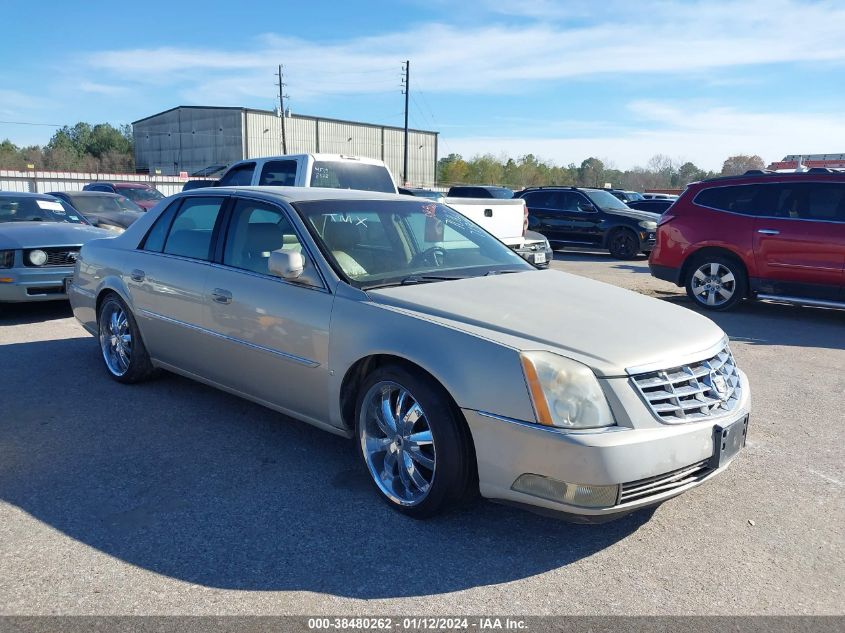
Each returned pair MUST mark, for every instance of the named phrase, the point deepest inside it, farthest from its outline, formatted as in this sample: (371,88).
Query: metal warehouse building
(193,138)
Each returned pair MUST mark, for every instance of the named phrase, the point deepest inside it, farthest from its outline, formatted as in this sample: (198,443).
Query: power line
(30,123)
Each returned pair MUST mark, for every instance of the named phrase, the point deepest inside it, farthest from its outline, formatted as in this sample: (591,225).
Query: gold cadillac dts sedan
(456,366)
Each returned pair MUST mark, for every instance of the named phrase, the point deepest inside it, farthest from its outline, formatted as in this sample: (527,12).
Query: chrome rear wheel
(115,338)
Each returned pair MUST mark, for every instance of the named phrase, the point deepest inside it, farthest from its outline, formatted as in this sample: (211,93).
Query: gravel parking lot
(174,498)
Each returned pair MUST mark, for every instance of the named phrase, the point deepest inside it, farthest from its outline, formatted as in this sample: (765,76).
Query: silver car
(40,238)
(455,366)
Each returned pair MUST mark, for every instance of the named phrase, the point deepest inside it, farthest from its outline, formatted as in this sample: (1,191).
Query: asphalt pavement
(171,497)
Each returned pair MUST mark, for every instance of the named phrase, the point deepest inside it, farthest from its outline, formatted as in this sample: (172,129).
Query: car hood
(14,235)
(605,327)
(634,213)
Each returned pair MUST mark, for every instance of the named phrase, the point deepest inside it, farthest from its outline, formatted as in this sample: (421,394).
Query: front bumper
(647,240)
(538,254)
(615,456)
(34,284)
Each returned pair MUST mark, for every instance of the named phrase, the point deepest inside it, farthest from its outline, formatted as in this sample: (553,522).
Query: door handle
(221,296)
(768,231)
(137,275)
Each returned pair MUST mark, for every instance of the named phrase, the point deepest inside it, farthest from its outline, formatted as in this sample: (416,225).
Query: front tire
(412,441)
(623,244)
(124,354)
(716,282)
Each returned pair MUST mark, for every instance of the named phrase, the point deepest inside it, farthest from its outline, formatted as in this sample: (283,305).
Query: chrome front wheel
(115,338)
(397,443)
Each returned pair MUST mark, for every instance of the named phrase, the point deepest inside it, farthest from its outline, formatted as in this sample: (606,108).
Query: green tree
(10,156)
(452,170)
(486,169)
(591,173)
(741,163)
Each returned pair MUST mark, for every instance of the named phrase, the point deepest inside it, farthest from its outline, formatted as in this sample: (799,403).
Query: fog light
(38,257)
(583,495)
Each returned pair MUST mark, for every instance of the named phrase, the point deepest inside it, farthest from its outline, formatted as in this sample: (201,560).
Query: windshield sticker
(74,218)
(49,205)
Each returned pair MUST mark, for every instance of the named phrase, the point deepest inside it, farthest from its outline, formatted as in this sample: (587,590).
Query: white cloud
(705,135)
(101,88)
(650,37)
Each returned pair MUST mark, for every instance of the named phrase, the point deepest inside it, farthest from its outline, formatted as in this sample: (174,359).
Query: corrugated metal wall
(307,135)
(188,139)
(46,181)
(211,136)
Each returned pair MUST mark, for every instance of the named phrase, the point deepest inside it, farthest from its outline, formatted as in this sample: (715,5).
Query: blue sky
(564,80)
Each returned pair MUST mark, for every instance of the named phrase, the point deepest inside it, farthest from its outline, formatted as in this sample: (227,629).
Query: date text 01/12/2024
(417,623)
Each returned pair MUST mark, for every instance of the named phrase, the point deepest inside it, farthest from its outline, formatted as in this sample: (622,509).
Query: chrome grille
(650,486)
(55,257)
(692,392)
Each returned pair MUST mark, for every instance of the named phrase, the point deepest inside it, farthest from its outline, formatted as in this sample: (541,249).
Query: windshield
(376,243)
(26,209)
(349,174)
(100,204)
(140,193)
(605,199)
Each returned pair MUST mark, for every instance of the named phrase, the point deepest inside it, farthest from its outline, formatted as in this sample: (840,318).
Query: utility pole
(406,90)
(282,97)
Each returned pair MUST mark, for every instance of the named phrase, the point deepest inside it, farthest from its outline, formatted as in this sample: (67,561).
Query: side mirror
(286,264)
(586,206)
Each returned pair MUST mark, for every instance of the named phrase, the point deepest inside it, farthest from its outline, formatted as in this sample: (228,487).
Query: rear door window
(278,173)
(239,175)
(538,199)
(810,201)
(192,229)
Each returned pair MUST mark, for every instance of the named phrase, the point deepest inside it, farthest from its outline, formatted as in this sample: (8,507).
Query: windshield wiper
(501,272)
(424,279)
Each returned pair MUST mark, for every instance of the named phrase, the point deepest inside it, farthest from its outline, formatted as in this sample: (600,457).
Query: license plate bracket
(728,441)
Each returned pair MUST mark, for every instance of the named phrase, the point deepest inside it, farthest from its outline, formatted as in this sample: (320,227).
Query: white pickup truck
(334,171)
(506,219)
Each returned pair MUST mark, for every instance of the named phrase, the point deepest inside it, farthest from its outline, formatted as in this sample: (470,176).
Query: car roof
(131,185)
(302,194)
(23,194)
(87,194)
(317,157)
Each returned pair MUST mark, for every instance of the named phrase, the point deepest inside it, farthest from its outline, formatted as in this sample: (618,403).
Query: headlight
(38,257)
(649,225)
(565,393)
(7,259)
(112,228)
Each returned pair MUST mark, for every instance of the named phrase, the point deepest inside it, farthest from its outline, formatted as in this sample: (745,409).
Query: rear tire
(123,351)
(413,443)
(623,244)
(716,282)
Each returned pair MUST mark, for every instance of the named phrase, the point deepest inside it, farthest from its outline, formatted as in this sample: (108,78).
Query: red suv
(761,235)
